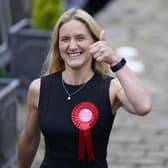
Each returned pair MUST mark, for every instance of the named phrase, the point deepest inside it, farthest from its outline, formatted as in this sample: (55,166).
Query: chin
(75,64)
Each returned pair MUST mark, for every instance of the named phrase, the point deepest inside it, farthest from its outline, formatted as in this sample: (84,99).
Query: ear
(102,36)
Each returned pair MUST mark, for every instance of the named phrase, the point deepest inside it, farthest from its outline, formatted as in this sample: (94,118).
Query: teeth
(74,54)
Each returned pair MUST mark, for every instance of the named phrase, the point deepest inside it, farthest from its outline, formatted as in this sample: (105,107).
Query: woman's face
(74,42)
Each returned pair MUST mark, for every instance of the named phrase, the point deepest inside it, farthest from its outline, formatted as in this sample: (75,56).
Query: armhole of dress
(40,94)
(108,86)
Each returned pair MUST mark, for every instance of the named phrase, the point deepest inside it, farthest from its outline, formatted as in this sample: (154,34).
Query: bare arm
(130,92)
(133,96)
(127,90)
(30,135)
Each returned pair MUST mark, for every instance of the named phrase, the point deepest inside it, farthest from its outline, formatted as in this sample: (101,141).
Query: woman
(75,103)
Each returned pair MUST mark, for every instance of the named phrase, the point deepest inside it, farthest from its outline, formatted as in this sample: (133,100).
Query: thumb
(102,36)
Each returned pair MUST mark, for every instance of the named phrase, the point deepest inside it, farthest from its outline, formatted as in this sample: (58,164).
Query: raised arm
(30,136)
(130,91)
(126,90)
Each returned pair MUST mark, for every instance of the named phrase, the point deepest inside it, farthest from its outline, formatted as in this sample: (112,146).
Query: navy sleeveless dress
(60,135)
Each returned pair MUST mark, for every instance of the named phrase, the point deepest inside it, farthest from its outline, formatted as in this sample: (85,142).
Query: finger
(97,45)
(102,36)
(97,54)
(94,48)
(99,59)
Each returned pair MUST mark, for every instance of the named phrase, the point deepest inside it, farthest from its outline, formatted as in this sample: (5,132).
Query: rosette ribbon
(84,117)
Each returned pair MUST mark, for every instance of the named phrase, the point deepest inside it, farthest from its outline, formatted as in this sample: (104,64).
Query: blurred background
(135,29)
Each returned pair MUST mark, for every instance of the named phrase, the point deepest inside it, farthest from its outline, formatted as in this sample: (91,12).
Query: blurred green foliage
(46,13)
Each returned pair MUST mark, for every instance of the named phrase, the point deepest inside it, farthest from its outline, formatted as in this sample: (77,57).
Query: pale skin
(77,49)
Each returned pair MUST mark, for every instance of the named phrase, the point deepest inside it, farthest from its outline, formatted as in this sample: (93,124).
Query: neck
(77,77)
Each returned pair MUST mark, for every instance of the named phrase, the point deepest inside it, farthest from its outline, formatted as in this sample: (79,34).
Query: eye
(64,39)
(81,37)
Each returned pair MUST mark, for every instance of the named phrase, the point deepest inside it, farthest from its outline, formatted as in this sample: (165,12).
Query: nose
(72,44)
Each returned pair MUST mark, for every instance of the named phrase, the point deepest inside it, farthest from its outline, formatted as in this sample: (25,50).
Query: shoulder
(47,79)
(35,85)
(52,75)
(115,84)
(108,80)
(34,91)
(104,78)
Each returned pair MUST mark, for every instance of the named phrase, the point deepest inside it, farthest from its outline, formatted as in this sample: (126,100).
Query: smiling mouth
(74,55)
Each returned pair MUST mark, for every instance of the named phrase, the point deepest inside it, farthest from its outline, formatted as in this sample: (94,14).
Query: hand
(102,52)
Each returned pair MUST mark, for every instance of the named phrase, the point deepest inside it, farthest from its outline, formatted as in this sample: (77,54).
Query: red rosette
(84,116)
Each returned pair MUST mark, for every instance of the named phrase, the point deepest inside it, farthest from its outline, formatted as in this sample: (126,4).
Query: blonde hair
(54,61)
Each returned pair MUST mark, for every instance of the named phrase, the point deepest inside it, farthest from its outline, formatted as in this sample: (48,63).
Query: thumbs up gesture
(102,36)
(102,52)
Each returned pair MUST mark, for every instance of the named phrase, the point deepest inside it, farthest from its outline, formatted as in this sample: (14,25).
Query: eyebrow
(76,35)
